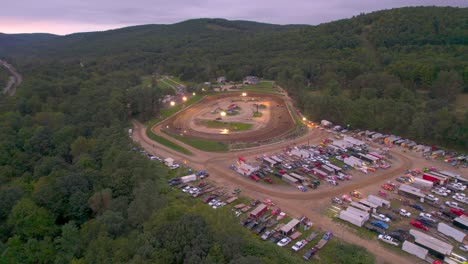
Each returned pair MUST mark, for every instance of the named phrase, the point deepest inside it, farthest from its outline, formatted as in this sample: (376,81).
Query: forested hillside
(72,190)
(398,71)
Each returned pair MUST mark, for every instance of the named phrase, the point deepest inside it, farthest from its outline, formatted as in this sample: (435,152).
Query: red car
(254,177)
(282,171)
(419,225)
(458,212)
(387,187)
(269,180)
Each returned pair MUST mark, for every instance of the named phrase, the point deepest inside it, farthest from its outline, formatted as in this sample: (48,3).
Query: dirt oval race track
(279,124)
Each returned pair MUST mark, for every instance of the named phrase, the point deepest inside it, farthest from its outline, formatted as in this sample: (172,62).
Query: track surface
(279,125)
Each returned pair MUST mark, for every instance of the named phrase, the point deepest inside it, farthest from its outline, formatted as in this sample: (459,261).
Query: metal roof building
(411,191)
(290,227)
(433,244)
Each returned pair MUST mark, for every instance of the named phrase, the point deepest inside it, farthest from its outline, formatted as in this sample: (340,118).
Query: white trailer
(188,178)
(275,158)
(414,249)
(354,219)
(353,162)
(378,201)
(360,206)
(358,212)
(422,184)
(451,232)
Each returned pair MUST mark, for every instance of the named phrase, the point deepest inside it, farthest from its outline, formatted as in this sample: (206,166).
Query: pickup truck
(381,217)
(388,240)
(379,224)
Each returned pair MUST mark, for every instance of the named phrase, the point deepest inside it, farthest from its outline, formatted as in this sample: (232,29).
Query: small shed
(290,227)
(259,210)
(246,169)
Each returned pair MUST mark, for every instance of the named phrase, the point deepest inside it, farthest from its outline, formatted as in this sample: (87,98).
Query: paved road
(10,89)
(295,202)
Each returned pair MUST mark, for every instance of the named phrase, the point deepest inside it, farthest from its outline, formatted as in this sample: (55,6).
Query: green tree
(30,221)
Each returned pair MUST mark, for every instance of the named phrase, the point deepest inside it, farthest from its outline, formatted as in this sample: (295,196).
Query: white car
(439,192)
(458,186)
(427,216)
(388,240)
(194,190)
(432,198)
(299,245)
(443,189)
(218,205)
(283,242)
(453,205)
(463,247)
(405,213)
(186,189)
(381,217)
(238,213)
(212,202)
(175,166)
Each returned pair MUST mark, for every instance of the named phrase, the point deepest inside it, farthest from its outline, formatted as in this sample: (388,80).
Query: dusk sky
(69,16)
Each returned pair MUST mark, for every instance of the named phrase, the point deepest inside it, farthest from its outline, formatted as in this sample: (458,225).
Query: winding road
(16,80)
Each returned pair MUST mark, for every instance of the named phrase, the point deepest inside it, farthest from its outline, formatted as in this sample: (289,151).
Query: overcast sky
(68,16)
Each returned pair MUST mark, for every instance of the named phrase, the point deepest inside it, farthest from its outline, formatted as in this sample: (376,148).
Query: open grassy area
(166,89)
(233,126)
(201,144)
(257,114)
(263,86)
(167,142)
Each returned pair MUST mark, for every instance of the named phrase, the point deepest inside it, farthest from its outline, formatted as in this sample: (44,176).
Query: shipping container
(414,249)
(451,232)
(188,178)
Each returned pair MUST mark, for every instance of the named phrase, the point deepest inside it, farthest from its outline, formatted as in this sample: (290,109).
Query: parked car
(400,234)
(419,225)
(310,253)
(283,242)
(453,205)
(417,207)
(299,245)
(405,213)
(247,221)
(381,217)
(425,221)
(379,224)
(428,217)
(431,198)
(276,238)
(267,234)
(388,239)
(463,248)
(439,192)
(337,200)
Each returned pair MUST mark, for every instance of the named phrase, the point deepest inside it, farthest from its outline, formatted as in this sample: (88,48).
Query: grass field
(257,114)
(232,126)
(201,144)
(166,89)
(263,86)
(166,142)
